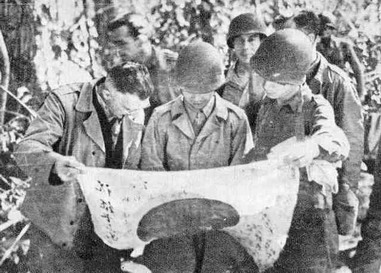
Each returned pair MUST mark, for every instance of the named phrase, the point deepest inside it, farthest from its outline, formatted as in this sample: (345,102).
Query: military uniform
(242,90)
(170,143)
(313,234)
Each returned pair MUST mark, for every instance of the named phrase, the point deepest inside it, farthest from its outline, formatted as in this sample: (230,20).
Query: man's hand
(67,168)
(297,153)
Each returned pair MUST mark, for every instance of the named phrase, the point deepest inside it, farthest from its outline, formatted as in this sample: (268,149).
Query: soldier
(130,37)
(290,110)
(94,124)
(243,85)
(198,130)
(340,51)
(331,82)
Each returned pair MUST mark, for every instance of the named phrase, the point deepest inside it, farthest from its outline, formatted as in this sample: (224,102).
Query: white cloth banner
(254,203)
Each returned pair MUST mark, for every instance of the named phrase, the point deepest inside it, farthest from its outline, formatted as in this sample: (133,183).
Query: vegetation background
(47,43)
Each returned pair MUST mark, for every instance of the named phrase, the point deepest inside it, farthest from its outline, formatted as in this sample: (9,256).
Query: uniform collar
(220,109)
(316,72)
(85,100)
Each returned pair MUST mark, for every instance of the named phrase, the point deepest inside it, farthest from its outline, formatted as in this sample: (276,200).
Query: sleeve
(43,133)
(153,146)
(331,139)
(242,141)
(47,128)
(50,206)
(351,121)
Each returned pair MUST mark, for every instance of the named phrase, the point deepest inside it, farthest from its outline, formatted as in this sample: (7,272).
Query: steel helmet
(285,56)
(200,68)
(244,24)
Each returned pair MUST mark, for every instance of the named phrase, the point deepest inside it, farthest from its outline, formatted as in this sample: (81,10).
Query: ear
(105,93)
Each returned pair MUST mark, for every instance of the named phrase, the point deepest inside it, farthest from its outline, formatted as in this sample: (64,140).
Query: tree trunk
(17,50)
(5,74)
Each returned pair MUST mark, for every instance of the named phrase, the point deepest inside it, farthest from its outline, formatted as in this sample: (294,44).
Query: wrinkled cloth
(254,204)
(335,86)
(312,244)
(242,90)
(68,124)
(170,144)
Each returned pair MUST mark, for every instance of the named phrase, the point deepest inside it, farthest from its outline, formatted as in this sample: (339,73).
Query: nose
(245,44)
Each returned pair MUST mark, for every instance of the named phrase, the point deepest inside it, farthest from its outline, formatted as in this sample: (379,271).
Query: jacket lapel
(93,130)
(91,125)
(180,118)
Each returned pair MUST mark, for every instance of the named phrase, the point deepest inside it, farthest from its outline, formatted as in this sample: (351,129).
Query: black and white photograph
(190,136)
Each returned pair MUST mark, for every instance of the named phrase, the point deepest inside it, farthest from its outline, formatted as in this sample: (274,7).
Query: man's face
(120,104)
(245,46)
(280,91)
(198,101)
(126,47)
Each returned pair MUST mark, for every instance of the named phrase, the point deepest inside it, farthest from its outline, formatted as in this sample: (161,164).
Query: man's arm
(351,121)
(242,141)
(43,133)
(356,66)
(333,143)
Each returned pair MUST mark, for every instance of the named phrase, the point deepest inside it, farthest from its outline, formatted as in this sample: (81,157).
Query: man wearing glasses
(96,124)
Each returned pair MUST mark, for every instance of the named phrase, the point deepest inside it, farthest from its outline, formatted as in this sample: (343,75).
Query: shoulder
(320,104)
(68,89)
(165,110)
(231,109)
(334,72)
(166,58)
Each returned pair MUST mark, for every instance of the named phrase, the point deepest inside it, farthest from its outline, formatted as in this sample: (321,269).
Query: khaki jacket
(170,143)
(67,124)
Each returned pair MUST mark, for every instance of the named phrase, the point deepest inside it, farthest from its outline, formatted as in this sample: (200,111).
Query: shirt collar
(220,109)
(153,60)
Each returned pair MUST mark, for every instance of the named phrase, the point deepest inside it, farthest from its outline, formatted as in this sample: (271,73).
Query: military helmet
(285,56)
(244,24)
(200,68)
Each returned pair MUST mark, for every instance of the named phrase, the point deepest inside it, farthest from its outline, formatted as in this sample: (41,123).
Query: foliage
(65,41)
(13,184)
(12,192)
